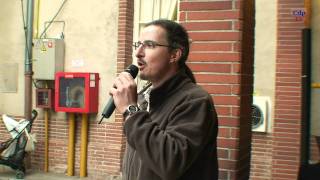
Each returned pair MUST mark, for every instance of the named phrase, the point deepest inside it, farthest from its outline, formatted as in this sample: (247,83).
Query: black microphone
(109,108)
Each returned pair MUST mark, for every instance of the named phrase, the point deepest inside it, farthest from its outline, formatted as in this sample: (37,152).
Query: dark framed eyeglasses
(147,44)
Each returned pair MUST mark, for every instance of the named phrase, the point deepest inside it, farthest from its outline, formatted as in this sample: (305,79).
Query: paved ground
(11,175)
(7,173)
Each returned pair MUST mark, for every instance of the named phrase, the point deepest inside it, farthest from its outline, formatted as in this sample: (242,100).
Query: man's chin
(143,77)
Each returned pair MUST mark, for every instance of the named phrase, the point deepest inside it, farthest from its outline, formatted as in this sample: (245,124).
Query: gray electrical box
(48,58)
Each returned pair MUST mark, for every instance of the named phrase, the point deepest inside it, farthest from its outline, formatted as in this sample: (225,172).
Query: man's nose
(139,51)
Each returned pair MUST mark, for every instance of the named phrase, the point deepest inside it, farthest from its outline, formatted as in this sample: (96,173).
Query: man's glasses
(147,44)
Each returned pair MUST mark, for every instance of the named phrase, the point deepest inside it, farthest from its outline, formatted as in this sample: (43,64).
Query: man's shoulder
(194,91)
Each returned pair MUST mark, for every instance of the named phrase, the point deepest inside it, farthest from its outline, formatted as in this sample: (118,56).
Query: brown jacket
(177,138)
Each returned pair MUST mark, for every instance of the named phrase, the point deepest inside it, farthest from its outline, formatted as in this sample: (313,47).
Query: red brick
(226,100)
(227,164)
(214,15)
(285,139)
(210,46)
(284,161)
(287,111)
(298,52)
(182,16)
(223,153)
(289,38)
(293,94)
(286,130)
(215,36)
(236,68)
(207,26)
(285,78)
(289,47)
(223,110)
(287,84)
(228,121)
(289,65)
(235,111)
(214,57)
(288,43)
(216,5)
(217,89)
(209,78)
(289,33)
(224,132)
(239,4)
(208,67)
(235,132)
(237,25)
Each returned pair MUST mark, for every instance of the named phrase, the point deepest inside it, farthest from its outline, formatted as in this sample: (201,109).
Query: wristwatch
(131,109)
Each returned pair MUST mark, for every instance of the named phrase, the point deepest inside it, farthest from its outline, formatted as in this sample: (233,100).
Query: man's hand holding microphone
(123,92)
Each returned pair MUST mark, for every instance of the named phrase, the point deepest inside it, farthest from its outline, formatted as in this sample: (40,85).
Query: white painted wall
(265,49)
(12,51)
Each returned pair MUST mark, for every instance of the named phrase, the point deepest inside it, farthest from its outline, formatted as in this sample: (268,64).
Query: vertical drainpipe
(28,61)
(306,86)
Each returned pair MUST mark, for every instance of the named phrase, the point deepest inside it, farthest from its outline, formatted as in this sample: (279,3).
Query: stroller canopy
(13,126)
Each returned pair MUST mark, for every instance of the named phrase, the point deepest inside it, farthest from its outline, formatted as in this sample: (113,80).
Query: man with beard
(173,137)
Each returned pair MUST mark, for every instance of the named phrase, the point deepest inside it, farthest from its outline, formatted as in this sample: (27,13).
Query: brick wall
(221,57)
(105,142)
(276,156)
(261,156)
(125,40)
(287,122)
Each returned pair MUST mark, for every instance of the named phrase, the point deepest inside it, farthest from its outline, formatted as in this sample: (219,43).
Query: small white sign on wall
(77,63)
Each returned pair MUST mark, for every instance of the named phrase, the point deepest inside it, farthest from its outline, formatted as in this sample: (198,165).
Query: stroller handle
(34,115)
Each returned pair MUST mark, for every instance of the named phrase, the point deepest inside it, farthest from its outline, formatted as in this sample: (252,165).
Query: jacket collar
(159,94)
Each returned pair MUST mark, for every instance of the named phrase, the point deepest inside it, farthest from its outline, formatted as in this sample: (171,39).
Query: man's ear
(175,55)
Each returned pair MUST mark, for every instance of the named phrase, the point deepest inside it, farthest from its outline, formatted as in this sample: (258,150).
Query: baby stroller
(12,151)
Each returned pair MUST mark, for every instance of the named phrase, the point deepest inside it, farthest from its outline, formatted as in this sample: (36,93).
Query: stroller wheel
(19,174)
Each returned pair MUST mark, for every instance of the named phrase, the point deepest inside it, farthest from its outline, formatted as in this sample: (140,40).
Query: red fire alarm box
(76,92)
(44,98)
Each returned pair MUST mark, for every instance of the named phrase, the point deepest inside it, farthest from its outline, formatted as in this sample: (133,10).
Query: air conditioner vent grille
(257,116)
(260,117)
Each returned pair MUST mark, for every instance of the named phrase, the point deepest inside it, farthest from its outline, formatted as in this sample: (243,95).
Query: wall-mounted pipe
(84,145)
(306,85)
(306,91)
(28,61)
(71,144)
(36,19)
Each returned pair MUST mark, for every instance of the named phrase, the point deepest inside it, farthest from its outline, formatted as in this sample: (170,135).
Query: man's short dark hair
(177,38)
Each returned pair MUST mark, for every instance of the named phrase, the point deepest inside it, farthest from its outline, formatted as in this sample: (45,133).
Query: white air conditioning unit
(260,113)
